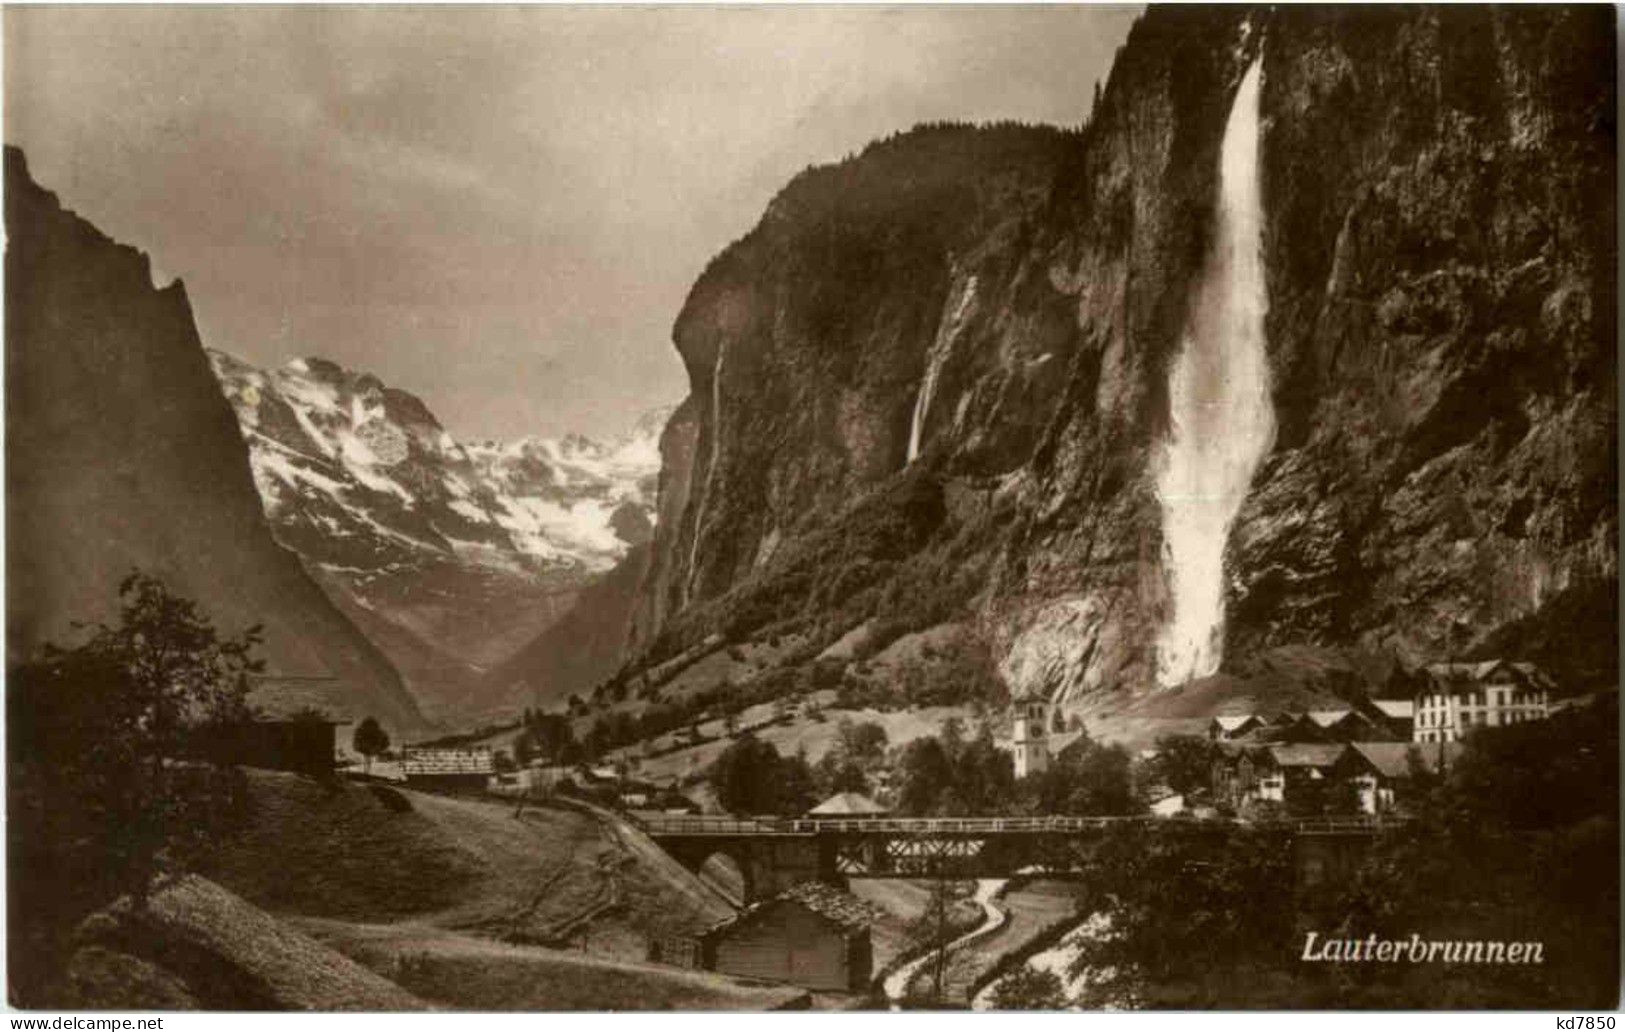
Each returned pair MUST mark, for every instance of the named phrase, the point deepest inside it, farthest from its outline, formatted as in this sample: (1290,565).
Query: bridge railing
(719,825)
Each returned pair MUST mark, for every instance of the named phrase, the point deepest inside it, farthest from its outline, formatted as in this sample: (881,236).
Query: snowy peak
(448,557)
(358,474)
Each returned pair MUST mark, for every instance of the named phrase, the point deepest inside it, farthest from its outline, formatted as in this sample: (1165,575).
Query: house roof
(1231,721)
(1308,754)
(1470,671)
(1393,759)
(847,804)
(843,908)
(848,912)
(1399,709)
(1481,671)
(1327,717)
(1535,674)
(1061,742)
(1031,693)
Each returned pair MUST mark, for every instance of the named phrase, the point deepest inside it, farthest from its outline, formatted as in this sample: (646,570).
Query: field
(376,854)
(467,903)
(467,973)
(198,945)
(801,732)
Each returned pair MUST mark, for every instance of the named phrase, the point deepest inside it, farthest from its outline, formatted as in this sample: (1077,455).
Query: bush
(393,801)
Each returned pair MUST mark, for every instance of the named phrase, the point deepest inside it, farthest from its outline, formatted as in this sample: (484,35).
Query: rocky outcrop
(1438,189)
(121,453)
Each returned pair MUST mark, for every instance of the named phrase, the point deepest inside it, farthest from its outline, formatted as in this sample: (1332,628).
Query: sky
(499,209)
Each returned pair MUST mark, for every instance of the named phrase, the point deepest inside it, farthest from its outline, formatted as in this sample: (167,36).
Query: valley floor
(421,900)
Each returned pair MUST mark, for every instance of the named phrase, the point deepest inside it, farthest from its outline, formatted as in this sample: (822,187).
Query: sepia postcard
(839,508)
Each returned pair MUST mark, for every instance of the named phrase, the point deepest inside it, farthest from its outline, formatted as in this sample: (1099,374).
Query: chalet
(1458,697)
(447,768)
(1232,726)
(1247,774)
(1309,770)
(1384,772)
(1398,715)
(850,805)
(810,935)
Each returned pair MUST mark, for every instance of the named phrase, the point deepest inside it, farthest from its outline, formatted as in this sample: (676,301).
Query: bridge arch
(725,870)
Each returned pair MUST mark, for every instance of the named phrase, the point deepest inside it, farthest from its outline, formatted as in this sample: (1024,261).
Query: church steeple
(1030,734)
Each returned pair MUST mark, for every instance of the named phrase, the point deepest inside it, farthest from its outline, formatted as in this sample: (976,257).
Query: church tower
(1030,737)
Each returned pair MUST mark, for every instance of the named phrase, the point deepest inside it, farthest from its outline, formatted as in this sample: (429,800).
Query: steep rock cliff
(1438,189)
(121,452)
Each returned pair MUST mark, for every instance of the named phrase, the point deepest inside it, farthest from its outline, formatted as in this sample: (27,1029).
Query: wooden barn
(811,935)
(304,746)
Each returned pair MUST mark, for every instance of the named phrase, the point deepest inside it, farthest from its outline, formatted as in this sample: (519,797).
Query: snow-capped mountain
(589,498)
(448,556)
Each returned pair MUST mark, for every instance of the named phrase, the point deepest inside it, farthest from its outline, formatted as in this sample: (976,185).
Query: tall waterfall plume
(1219,400)
(935,359)
(706,485)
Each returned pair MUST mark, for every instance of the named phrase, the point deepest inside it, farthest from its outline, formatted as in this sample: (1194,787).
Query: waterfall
(710,470)
(1219,403)
(935,359)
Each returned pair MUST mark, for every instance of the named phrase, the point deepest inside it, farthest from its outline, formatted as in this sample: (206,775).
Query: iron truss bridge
(771,850)
(687,824)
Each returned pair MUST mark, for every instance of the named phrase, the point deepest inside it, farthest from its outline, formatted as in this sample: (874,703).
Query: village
(814,924)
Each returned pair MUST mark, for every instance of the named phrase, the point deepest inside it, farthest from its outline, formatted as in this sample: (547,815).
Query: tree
(103,797)
(925,770)
(524,750)
(743,776)
(1086,780)
(1185,762)
(369,740)
(1029,989)
(796,789)
(933,929)
(837,772)
(984,776)
(750,777)
(865,742)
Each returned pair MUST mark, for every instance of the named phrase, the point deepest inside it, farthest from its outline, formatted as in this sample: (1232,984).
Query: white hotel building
(1458,697)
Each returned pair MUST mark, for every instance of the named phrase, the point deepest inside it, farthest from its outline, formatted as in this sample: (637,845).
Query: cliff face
(121,452)
(1438,193)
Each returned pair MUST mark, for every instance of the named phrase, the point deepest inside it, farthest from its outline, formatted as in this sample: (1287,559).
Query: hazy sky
(500,209)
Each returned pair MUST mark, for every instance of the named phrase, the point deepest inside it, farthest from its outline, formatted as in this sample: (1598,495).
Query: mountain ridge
(449,556)
(121,453)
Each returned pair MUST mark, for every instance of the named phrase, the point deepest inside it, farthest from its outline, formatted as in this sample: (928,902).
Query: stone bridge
(773,854)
